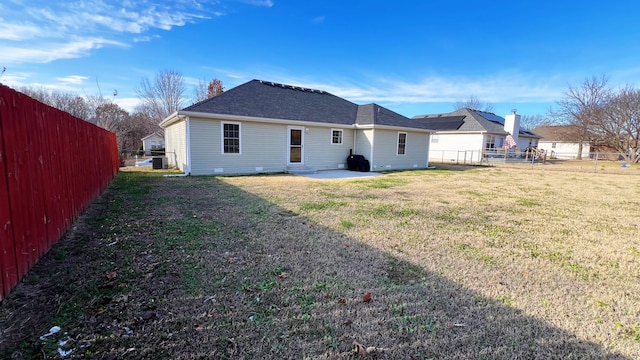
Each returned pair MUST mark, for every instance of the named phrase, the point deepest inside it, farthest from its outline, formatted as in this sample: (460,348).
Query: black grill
(358,163)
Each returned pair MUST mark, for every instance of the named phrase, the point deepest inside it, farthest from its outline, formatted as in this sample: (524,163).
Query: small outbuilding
(152,142)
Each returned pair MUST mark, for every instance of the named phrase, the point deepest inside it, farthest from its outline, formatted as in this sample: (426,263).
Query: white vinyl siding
(175,145)
(386,149)
(320,156)
(264,149)
(450,147)
(364,143)
(565,150)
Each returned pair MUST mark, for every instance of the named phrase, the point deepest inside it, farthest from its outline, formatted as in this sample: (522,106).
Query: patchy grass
(480,263)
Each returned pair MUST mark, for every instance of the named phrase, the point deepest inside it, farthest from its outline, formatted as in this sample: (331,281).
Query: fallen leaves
(366,297)
(112,275)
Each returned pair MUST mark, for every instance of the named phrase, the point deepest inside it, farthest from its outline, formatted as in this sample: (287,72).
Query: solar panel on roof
(491,117)
(443,123)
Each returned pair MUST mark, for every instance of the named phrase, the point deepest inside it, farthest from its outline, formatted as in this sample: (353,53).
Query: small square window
(336,136)
(435,139)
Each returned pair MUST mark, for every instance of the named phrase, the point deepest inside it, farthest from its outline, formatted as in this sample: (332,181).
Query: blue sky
(414,57)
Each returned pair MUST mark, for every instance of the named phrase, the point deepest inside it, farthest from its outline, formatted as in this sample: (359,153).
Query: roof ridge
(292,87)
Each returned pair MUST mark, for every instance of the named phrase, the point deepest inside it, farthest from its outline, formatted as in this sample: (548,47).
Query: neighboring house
(266,127)
(474,134)
(563,142)
(152,142)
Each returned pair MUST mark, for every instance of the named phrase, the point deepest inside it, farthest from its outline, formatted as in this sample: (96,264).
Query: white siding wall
(386,151)
(564,150)
(263,149)
(524,143)
(454,147)
(320,153)
(175,145)
(364,143)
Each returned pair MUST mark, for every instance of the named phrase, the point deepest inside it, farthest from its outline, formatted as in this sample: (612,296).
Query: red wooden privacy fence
(52,165)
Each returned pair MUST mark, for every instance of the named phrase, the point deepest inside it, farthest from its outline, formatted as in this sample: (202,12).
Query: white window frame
(490,142)
(435,139)
(404,148)
(222,124)
(341,137)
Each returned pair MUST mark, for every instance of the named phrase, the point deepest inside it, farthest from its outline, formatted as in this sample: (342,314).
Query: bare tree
(620,125)
(200,91)
(583,106)
(71,103)
(129,129)
(473,102)
(162,96)
(204,91)
(39,93)
(531,121)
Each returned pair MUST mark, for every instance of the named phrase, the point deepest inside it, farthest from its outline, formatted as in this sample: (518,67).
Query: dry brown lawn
(460,262)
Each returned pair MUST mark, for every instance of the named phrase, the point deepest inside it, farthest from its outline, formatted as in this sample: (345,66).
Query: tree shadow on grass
(212,271)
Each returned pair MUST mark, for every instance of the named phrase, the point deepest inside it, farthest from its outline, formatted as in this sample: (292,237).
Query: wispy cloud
(43,31)
(73,79)
(318,19)
(494,88)
(18,32)
(53,51)
(267,3)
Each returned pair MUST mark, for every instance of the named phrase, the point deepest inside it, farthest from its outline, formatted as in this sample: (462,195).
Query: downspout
(355,138)
(428,147)
(373,136)
(187,169)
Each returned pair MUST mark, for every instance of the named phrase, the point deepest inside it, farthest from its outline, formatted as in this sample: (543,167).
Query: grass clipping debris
(455,263)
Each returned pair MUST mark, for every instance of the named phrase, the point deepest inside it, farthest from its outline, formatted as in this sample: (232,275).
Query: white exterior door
(296,145)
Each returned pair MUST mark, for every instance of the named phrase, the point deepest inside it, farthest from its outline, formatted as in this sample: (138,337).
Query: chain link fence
(609,162)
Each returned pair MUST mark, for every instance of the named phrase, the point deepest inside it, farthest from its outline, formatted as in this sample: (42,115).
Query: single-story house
(564,142)
(153,141)
(473,134)
(266,127)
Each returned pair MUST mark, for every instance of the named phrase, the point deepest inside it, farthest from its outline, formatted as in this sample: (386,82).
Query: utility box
(156,163)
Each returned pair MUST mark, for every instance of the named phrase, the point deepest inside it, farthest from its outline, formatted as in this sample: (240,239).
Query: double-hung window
(230,138)
(402,143)
(336,136)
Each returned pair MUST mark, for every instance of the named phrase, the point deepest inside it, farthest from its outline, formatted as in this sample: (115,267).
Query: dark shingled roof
(472,120)
(374,114)
(263,99)
(567,133)
(442,123)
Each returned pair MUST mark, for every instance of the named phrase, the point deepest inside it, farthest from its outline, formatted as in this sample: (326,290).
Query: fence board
(52,165)
(8,267)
